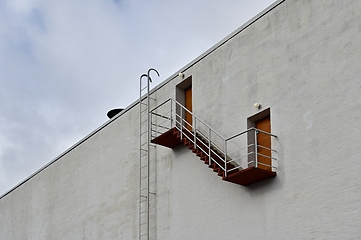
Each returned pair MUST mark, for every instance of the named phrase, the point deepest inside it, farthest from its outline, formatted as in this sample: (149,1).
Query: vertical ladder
(144,155)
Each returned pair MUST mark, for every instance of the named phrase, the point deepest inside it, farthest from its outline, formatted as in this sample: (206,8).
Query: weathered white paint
(301,59)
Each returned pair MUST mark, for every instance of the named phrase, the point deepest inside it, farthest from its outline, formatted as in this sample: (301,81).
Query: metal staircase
(144,155)
(238,159)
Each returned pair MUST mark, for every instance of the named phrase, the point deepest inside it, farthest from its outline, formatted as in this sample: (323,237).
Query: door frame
(251,122)
(180,97)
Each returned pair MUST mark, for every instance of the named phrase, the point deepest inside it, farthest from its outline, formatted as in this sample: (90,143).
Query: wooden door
(264,143)
(188,105)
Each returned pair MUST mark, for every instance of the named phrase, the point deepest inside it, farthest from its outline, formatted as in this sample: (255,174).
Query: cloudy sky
(64,64)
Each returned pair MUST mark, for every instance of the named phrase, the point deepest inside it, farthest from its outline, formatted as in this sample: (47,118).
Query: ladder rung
(144,177)
(144,166)
(143,189)
(144,196)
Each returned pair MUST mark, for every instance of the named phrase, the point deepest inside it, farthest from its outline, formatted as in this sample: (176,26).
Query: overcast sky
(64,64)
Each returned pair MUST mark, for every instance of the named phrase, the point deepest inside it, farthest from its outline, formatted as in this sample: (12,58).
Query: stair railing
(170,114)
(249,155)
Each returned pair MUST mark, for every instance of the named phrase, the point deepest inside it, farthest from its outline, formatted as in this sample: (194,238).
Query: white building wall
(301,59)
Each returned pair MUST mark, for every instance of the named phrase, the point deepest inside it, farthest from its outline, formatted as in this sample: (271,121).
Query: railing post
(181,123)
(194,132)
(171,114)
(151,125)
(209,146)
(255,148)
(225,158)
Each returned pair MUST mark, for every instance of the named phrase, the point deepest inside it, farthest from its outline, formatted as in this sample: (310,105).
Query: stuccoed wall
(301,59)
(87,194)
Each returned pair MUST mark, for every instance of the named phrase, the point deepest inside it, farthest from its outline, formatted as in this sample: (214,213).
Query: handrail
(248,130)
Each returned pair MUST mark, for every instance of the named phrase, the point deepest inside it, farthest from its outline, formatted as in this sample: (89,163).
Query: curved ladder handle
(152,69)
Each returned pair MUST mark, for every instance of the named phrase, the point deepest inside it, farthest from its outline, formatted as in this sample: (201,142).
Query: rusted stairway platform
(244,177)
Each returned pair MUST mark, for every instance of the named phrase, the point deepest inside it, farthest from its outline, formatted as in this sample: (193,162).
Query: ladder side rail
(148,156)
(144,160)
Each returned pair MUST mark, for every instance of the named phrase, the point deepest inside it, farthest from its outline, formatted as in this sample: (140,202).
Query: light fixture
(257,105)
